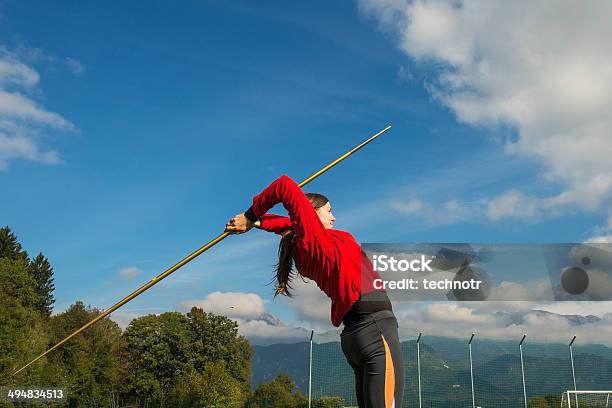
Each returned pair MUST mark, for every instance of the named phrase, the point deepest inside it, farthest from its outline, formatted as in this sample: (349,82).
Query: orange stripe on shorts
(389,377)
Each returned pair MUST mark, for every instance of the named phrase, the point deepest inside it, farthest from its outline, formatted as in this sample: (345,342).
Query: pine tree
(9,246)
(43,274)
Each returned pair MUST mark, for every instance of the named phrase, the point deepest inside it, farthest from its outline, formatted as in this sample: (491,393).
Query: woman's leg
(374,353)
(383,376)
(359,389)
(351,352)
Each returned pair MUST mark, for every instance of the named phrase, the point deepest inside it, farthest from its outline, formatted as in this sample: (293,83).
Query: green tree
(213,387)
(278,393)
(216,339)
(328,402)
(156,352)
(43,275)
(85,364)
(538,402)
(19,320)
(23,331)
(550,401)
(553,400)
(198,357)
(10,248)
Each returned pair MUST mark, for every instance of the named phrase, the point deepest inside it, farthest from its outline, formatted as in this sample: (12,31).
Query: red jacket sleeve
(310,233)
(274,223)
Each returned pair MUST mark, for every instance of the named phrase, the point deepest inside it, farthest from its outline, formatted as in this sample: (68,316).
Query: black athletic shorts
(372,348)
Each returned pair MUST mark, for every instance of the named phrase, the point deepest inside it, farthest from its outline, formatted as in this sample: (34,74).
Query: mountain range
(445,369)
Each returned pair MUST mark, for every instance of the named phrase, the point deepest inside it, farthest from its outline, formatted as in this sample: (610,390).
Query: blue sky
(178,113)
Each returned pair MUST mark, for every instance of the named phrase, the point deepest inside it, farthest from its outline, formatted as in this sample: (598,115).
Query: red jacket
(332,258)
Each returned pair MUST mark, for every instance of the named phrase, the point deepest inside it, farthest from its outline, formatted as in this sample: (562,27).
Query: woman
(335,261)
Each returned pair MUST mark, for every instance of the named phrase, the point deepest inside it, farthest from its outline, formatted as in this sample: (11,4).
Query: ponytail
(284,267)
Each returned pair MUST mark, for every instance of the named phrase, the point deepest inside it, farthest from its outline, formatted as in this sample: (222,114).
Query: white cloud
(600,239)
(513,204)
(31,55)
(312,306)
(75,65)
(15,105)
(599,309)
(544,69)
(448,212)
(129,272)
(404,74)
(494,320)
(510,291)
(248,310)
(263,332)
(14,72)
(603,233)
(452,312)
(407,207)
(23,147)
(123,319)
(21,118)
(460,320)
(231,304)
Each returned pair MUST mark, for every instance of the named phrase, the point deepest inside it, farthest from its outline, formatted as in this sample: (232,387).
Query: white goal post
(586,399)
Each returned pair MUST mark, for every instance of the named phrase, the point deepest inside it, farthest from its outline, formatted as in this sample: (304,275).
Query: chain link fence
(499,378)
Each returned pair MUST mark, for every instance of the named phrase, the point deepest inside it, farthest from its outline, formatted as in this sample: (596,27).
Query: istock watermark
(382,263)
(491,272)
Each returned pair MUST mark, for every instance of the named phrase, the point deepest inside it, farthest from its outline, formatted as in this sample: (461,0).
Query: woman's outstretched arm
(268,222)
(274,223)
(309,231)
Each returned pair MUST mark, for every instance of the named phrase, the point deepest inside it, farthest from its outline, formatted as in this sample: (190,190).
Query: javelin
(195,254)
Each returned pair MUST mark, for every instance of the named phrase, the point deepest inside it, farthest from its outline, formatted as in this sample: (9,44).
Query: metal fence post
(523,369)
(310,371)
(472,369)
(573,372)
(419,366)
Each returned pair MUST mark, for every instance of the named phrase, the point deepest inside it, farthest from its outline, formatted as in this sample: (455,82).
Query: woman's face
(326,216)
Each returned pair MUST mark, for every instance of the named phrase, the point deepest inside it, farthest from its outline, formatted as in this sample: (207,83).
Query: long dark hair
(284,268)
